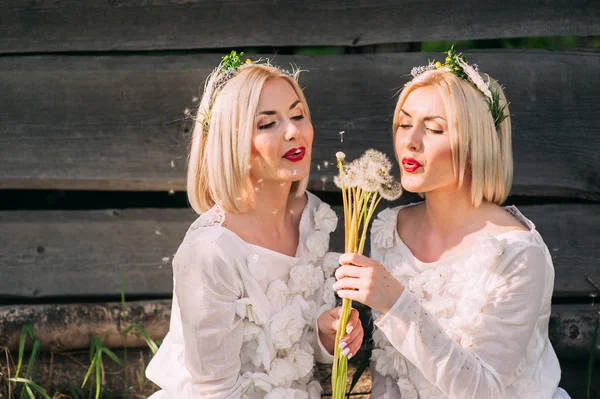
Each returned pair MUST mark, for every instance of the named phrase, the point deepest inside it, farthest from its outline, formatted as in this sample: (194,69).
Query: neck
(447,210)
(271,205)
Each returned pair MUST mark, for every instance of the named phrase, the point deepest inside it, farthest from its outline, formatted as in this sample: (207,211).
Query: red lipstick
(410,164)
(295,154)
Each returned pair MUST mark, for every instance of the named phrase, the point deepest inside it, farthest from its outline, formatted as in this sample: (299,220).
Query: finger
(354,295)
(355,259)
(348,284)
(352,341)
(348,271)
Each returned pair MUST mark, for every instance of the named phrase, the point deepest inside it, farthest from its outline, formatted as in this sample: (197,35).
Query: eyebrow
(427,118)
(274,112)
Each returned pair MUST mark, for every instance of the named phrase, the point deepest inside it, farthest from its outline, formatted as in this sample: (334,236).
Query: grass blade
(362,366)
(149,341)
(27,382)
(591,360)
(32,358)
(112,355)
(98,374)
(24,331)
(29,392)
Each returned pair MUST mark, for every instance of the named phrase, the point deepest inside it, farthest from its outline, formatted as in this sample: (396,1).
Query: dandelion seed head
(340,156)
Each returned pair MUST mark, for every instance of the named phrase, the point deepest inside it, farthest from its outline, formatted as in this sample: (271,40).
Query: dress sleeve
(499,337)
(207,286)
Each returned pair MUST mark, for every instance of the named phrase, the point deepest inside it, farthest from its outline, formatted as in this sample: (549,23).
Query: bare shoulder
(499,221)
(409,216)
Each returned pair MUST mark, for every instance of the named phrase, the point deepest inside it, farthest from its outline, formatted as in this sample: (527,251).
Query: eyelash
(269,125)
(431,130)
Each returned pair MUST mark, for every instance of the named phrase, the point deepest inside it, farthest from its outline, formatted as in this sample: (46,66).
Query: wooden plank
(46,25)
(115,122)
(69,327)
(50,254)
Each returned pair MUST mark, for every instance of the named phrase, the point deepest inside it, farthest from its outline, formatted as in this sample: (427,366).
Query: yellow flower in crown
(248,61)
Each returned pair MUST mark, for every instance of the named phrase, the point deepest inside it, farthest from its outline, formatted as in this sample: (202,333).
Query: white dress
(243,322)
(472,325)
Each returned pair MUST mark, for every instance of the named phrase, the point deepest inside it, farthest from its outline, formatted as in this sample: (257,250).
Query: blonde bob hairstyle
(481,153)
(219,157)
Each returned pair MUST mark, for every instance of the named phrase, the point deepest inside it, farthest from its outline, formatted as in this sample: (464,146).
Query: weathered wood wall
(93,98)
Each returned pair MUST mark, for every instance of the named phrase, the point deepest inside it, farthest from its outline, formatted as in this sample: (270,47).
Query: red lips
(410,164)
(295,154)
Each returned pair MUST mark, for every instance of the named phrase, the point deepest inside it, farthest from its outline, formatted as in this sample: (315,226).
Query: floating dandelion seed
(187,112)
(257,189)
(318,167)
(172,164)
(157,232)
(171,192)
(323,180)
(165,259)
(282,184)
(342,136)
(275,211)
(326,164)
(260,180)
(195,99)
(593,295)
(291,211)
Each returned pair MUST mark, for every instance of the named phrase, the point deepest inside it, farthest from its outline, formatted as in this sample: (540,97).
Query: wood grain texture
(50,26)
(70,327)
(49,254)
(116,122)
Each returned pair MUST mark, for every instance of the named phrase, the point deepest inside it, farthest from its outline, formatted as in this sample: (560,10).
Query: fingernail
(350,355)
(349,329)
(346,351)
(342,345)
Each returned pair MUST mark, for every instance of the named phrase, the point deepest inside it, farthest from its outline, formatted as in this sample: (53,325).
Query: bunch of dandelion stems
(359,206)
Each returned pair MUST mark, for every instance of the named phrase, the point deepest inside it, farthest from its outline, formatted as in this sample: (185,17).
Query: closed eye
(298,117)
(405,126)
(435,131)
(266,126)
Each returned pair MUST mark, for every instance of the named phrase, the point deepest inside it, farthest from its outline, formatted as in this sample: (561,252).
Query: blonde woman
(460,286)
(251,312)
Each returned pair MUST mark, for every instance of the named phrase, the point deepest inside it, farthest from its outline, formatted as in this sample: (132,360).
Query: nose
(292,132)
(412,139)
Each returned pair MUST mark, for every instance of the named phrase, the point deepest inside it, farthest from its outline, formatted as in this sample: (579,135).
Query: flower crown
(227,69)
(457,64)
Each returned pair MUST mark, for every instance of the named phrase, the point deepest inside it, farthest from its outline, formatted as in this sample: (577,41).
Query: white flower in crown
(389,362)
(329,293)
(246,308)
(305,279)
(277,294)
(325,218)
(475,78)
(286,393)
(384,228)
(317,244)
(282,372)
(330,262)
(287,326)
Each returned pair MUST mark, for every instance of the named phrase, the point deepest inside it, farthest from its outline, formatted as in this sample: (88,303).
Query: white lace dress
(472,325)
(243,322)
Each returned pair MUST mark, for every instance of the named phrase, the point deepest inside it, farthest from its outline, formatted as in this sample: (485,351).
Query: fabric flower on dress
(286,393)
(256,382)
(407,389)
(314,390)
(255,347)
(329,293)
(384,228)
(308,308)
(302,361)
(305,279)
(325,218)
(287,326)
(331,261)
(282,372)
(246,308)
(277,294)
(389,362)
(317,244)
